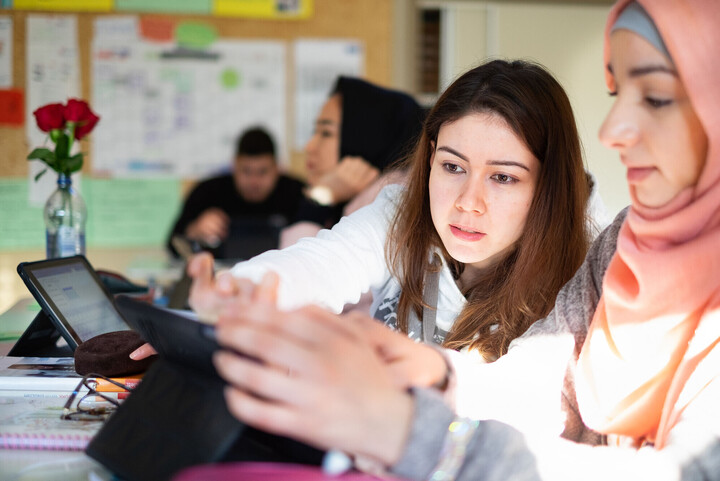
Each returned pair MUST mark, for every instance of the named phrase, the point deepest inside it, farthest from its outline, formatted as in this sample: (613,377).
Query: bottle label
(69,241)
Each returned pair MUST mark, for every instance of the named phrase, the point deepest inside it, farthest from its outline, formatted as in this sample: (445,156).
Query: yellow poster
(269,9)
(65,5)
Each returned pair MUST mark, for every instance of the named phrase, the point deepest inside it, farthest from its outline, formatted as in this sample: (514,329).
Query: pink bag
(265,472)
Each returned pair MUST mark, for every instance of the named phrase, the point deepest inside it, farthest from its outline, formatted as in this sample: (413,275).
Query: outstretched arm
(283,366)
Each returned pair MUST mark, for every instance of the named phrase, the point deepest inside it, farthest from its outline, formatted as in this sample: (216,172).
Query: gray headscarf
(636,19)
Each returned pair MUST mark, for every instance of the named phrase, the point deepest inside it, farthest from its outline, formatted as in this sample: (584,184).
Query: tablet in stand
(40,340)
(75,304)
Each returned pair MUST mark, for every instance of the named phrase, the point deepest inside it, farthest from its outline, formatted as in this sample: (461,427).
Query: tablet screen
(74,295)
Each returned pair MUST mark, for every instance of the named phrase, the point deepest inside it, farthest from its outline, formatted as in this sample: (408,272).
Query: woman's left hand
(313,376)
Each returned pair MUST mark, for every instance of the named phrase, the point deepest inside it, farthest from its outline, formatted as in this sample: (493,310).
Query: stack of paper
(51,377)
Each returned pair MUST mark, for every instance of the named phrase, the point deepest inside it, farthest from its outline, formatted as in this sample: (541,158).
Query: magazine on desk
(33,392)
(35,377)
(36,424)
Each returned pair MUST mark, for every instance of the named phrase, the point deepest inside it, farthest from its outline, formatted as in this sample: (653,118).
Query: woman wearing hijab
(626,367)
(362,129)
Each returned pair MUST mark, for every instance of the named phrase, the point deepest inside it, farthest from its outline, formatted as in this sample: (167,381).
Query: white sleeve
(522,388)
(335,267)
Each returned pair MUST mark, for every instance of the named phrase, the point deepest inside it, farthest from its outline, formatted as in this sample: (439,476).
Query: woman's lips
(638,174)
(466,234)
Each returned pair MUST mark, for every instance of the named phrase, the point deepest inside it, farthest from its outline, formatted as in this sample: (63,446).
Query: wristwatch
(321,194)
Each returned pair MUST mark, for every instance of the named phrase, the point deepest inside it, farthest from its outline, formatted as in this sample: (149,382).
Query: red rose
(78,111)
(49,117)
(85,127)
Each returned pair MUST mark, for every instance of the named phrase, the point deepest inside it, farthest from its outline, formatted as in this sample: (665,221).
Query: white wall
(567,39)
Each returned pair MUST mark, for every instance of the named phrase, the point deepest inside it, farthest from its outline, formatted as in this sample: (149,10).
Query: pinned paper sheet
(195,35)
(157,29)
(22,225)
(65,5)
(6,51)
(285,9)
(12,107)
(317,65)
(176,6)
(52,66)
(130,212)
(175,108)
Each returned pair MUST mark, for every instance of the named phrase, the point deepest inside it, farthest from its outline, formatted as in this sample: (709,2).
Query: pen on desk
(336,462)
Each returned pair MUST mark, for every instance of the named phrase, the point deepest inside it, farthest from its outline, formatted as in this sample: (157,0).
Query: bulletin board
(368,21)
(143,208)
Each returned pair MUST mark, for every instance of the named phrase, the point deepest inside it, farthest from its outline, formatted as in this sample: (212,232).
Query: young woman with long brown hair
(490,226)
(517,284)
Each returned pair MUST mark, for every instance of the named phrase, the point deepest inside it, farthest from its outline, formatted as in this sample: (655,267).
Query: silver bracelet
(452,455)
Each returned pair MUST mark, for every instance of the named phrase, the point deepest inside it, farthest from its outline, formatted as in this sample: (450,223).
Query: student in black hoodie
(362,129)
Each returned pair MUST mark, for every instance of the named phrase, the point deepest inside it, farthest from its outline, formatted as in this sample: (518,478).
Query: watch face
(321,194)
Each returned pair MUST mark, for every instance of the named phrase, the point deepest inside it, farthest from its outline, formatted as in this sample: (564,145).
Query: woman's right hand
(211,293)
(350,177)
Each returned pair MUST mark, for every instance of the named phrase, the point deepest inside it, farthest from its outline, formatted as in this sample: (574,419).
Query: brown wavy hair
(520,288)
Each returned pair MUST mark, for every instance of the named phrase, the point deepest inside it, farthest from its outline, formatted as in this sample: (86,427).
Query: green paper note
(176,6)
(130,212)
(23,226)
(195,35)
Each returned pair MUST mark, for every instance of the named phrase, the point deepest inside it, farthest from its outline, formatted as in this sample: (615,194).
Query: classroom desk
(43,465)
(37,465)
(28,465)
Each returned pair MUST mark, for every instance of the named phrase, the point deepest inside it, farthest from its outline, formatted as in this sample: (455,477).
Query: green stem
(71,139)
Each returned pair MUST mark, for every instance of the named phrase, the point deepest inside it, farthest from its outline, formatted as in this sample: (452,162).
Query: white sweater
(339,265)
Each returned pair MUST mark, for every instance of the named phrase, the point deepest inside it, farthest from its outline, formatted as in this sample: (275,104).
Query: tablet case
(177,416)
(40,340)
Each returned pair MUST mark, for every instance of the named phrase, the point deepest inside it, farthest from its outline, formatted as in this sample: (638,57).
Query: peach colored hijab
(652,346)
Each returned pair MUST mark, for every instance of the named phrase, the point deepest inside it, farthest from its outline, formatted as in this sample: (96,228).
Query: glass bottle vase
(65,217)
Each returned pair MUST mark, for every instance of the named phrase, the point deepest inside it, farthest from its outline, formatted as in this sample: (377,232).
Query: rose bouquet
(64,124)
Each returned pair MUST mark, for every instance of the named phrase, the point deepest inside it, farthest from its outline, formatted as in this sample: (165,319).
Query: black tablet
(177,416)
(249,237)
(72,295)
(175,335)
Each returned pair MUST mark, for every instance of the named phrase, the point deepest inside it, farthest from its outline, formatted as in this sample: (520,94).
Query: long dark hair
(522,287)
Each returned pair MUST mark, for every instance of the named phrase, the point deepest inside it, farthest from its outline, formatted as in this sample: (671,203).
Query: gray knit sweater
(499,451)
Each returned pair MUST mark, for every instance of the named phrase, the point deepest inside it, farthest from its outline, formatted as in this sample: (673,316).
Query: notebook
(34,423)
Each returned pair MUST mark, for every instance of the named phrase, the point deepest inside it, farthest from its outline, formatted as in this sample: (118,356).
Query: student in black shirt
(254,189)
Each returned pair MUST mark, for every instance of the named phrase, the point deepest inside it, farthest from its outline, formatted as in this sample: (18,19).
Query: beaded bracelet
(452,455)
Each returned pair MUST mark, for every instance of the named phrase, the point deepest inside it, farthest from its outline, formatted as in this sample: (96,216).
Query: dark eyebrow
(639,71)
(648,69)
(453,152)
(325,122)
(507,163)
